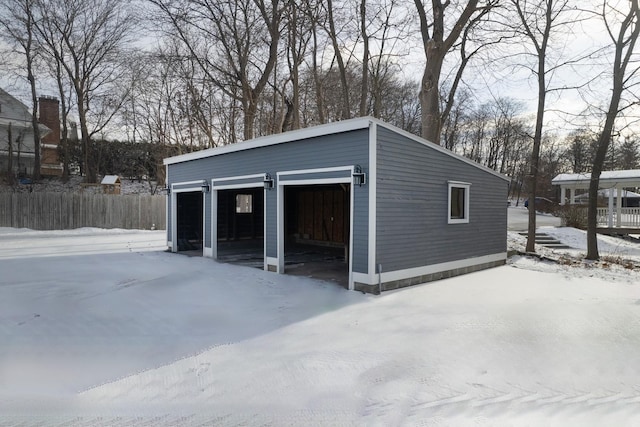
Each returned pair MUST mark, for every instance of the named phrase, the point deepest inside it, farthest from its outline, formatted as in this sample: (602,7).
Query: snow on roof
(609,177)
(110,179)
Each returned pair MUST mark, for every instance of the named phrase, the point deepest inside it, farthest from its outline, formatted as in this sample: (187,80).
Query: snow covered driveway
(131,335)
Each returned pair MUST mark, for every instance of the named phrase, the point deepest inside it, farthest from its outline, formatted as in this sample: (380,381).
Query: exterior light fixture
(205,187)
(268,182)
(359,177)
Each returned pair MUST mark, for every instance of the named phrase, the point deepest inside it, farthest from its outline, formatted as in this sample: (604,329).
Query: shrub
(573,216)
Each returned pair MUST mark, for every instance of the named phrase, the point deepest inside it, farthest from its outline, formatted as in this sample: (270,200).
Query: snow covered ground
(102,327)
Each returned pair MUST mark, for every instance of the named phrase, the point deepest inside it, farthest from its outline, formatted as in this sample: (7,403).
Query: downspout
(379,279)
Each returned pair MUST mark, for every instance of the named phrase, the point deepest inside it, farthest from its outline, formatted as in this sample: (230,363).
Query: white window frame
(467,189)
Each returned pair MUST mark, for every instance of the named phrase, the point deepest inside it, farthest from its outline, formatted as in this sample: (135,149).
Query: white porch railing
(629,217)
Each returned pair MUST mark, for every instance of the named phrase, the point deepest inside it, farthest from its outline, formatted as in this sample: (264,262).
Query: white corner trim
(265,213)
(352,192)
(214,222)
(428,269)
(208,252)
(373,229)
(279,228)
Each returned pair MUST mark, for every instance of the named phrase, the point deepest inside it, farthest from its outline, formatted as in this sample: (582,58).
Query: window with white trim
(244,203)
(458,212)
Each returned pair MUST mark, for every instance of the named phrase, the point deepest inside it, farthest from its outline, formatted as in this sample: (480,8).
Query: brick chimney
(49,108)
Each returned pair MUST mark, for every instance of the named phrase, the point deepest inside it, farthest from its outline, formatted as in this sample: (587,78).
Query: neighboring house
(15,117)
(401,210)
(612,185)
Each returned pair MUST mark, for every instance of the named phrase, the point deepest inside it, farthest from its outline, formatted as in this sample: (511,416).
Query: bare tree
(626,16)
(388,26)
(342,67)
(16,18)
(437,45)
(90,33)
(538,21)
(299,32)
(234,42)
(364,85)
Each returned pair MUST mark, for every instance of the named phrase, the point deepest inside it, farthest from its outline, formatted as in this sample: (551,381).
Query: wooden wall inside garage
(318,213)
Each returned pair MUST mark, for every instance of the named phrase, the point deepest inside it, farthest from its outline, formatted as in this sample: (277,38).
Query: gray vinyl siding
(411,206)
(343,149)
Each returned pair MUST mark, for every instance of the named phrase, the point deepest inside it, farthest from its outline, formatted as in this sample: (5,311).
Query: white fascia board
(264,141)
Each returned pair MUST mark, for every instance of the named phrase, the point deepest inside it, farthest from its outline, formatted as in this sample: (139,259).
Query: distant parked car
(542,205)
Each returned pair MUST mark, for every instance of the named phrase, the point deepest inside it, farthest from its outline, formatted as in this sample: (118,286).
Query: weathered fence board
(61,211)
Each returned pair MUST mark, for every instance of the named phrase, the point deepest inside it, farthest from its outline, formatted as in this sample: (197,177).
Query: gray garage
(388,208)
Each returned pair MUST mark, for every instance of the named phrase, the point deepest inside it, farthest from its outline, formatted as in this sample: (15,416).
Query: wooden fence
(61,211)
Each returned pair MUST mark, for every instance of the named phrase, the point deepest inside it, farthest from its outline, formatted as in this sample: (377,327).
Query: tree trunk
(346,104)
(430,95)
(535,156)
(64,138)
(621,61)
(316,79)
(87,152)
(34,117)
(10,174)
(249,119)
(364,90)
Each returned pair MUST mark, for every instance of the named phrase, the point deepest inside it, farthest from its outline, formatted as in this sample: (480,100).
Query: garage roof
(320,130)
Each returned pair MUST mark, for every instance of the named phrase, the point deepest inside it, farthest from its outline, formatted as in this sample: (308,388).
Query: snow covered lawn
(101,327)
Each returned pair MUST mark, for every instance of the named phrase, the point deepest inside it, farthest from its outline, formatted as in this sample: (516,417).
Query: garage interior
(317,231)
(316,224)
(241,226)
(189,222)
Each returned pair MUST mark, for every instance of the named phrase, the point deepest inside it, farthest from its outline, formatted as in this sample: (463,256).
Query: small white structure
(111,184)
(613,181)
